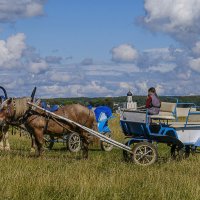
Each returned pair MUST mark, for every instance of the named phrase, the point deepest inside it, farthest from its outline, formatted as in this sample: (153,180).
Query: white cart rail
(92,132)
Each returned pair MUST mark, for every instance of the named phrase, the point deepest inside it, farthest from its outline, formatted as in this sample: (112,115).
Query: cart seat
(167,112)
(162,117)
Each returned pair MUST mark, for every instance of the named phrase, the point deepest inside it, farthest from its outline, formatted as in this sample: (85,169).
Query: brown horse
(38,123)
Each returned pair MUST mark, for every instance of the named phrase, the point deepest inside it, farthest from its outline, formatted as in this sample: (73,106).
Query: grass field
(63,175)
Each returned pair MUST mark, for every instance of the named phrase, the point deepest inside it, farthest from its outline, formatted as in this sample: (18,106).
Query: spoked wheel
(49,141)
(128,156)
(104,145)
(74,142)
(144,153)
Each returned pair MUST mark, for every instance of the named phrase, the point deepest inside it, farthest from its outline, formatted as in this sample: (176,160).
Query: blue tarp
(52,108)
(102,109)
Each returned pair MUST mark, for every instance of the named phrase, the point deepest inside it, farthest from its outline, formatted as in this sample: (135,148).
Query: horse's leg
(6,141)
(38,133)
(85,145)
(1,141)
(33,145)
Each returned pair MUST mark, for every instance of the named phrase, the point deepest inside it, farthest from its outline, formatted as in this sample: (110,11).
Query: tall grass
(63,175)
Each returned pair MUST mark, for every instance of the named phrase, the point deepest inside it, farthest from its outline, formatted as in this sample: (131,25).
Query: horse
(38,123)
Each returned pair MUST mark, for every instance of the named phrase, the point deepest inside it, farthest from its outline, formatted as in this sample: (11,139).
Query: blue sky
(71,48)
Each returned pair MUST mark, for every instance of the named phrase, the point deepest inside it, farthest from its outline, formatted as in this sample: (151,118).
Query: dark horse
(38,123)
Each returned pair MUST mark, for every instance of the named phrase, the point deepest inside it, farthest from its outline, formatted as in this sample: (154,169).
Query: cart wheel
(49,141)
(104,145)
(128,156)
(74,142)
(144,153)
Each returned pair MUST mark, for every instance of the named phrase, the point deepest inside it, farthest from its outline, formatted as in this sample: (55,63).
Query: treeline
(83,101)
(114,102)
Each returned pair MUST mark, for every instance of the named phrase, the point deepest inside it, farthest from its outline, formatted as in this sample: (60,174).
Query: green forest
(113,102)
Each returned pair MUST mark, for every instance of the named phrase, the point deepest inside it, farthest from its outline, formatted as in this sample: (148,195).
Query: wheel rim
(74,143)
(144,155)
(106,146)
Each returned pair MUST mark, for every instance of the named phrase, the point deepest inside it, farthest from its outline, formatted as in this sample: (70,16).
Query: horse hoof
(32,151)
(7,148)
(85,157)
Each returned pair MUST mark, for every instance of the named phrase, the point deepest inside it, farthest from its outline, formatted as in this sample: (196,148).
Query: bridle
(10,112)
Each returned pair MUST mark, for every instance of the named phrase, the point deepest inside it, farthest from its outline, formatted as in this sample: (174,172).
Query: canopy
(105,110)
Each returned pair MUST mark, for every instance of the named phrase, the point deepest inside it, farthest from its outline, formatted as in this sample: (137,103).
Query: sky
(96,48)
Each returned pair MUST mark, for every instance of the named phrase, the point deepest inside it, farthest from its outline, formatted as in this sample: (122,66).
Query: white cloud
(94,87)
(75,90)
(11,10)
(162,68)
(179,18)
(11,50)
(142,87)
(185,75)
(34,9)
(195,64)
(125,85)
(160,90)
(38,67)
(124,53)
(59,77)
(196,48)
(164,54)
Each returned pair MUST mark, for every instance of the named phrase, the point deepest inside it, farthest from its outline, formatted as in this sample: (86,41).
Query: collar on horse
(13,118)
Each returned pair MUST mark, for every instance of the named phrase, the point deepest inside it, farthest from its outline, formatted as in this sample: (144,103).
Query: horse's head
(13,108)
(6,110)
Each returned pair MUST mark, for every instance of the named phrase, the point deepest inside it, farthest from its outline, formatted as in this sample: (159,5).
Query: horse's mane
(21,106)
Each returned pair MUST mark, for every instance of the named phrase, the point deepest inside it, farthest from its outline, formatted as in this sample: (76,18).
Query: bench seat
(166,112)
(162,117)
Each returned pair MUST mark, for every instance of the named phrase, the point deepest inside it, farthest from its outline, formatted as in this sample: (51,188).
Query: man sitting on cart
(153,102)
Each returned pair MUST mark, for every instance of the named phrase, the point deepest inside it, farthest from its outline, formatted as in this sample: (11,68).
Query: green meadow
(61,175)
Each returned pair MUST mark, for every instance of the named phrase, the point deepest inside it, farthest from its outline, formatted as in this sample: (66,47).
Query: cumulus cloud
(142,86)
(38,67)
(168,69)
(195,64)
(179,18)
(163,68)
(11,10)
(11,50)
(53,59)
(196,48)
(160,54)
(75,90)
(59,77)
(124,53)
(87,61)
